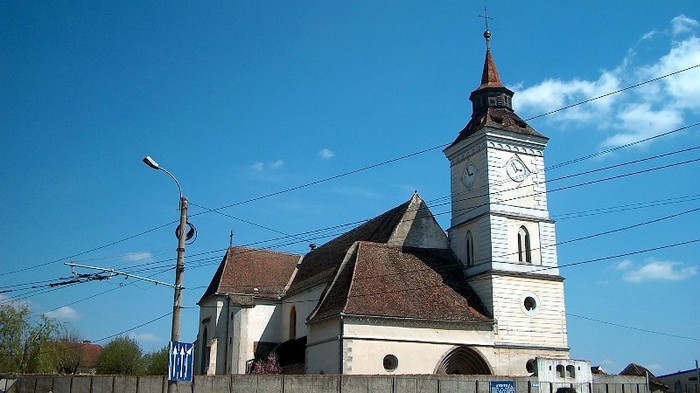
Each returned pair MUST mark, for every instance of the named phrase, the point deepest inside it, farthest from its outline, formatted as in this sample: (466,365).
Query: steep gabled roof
(401,282)
(641,371)
(319,265)
(261,273)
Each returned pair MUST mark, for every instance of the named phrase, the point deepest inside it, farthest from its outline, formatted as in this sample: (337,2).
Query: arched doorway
(464,361)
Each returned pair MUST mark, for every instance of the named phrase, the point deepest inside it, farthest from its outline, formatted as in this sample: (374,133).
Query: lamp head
(151,162)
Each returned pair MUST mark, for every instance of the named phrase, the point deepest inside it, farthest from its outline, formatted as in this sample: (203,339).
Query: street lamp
(181,238)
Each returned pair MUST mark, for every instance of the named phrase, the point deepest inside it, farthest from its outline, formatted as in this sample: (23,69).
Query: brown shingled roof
(319,265)
(499,118)
(490,77)
(641,371)
(389,281)
(243,269)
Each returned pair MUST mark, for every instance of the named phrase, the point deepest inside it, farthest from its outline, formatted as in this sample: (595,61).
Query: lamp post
(180,264)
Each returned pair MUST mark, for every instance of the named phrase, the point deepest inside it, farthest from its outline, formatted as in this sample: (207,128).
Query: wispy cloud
(682,24)
(146,337)
(655,270)
(261,166)
(137,256)
(64,313)
(326,154)
(636,114)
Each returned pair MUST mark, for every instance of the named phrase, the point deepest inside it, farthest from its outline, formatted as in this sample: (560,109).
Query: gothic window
(293,323)
(570,371)
(205,351)
(470,249)
(524,250)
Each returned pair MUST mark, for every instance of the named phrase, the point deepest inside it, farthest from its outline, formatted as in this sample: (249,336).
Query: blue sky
(241,100)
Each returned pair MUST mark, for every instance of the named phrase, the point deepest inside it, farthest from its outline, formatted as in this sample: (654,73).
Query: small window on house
(390,362)
(560,371)
(571,371)
(470,249)
(524,251)
(293,323)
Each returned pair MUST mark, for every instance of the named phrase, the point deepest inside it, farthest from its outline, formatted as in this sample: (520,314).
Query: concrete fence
(313,384)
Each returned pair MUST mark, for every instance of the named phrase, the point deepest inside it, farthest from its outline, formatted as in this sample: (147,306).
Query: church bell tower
(500,228)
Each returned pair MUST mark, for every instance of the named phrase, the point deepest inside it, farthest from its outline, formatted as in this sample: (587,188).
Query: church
(399,294)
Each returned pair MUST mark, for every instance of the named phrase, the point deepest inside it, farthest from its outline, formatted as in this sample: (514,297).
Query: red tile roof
(89,353)
(320,265)
(389,281)
(254,272)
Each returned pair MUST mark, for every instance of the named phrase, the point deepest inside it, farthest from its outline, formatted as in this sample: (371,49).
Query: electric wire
(320,181)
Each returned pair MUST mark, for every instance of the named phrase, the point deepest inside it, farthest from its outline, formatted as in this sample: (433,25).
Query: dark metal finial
(487,33)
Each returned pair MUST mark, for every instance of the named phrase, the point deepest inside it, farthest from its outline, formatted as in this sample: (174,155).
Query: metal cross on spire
(487,33)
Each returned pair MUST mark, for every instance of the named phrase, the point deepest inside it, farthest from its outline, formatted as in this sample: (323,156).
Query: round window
(530,304)
(391,362)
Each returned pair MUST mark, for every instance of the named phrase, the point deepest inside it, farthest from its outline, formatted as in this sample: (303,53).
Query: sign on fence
(502,386)
(180,361)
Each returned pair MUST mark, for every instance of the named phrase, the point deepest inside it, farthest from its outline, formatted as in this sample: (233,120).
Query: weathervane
(487,33)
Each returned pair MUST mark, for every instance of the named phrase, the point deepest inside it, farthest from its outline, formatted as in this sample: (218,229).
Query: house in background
(682,381)
(399,294)
(655,384)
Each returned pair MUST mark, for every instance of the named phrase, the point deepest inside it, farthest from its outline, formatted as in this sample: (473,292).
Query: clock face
(469,176)
(516,169)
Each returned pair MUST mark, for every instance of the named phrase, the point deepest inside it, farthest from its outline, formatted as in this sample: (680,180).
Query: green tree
(64,354)
(156,363)
(120,356)
(21,340)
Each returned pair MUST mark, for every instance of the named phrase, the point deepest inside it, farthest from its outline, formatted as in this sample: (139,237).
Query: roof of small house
(89,353)
(262,273)
(641,371)
(401,282)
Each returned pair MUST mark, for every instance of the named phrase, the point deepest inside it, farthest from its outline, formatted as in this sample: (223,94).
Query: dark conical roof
(492,104)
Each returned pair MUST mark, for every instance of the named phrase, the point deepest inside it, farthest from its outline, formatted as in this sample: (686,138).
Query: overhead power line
(320,181)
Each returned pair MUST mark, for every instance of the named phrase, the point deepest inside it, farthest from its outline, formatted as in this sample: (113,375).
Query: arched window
(470,249)
(293,323)
(205,351)
(524,254)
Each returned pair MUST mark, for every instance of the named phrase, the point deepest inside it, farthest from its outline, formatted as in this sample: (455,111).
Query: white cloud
(137,256)
(654,270)
(326,154)
(635,114)
(146,337)
(640,121)
(649,35)
(64,313)
(624,265)
(276,164)
(682,24)
(261,166)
